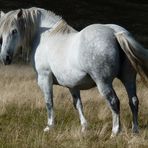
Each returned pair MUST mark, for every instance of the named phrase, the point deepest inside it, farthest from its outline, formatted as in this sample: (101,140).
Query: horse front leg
(78,105)
(46,84)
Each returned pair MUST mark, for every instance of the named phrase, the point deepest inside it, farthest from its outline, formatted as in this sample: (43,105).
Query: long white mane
(30,21)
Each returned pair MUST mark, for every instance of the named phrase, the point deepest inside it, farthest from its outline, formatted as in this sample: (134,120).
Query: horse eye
(14,31)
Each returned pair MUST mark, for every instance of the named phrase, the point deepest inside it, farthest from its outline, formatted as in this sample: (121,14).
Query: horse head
(9,35)
(19,27)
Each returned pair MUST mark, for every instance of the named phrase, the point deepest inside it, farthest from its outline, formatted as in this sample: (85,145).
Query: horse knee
(113,100)
(115,104)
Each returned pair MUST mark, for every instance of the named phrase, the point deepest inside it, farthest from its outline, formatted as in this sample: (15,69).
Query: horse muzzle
(6,60)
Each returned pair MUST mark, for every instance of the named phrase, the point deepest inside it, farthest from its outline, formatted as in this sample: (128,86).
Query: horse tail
(137,55)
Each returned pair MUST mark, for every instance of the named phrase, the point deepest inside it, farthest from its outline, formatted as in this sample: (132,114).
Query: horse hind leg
(133,103)
(78,105)
(107,91)
(129,82)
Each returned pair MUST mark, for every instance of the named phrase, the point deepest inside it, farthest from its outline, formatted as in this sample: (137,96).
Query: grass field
(23,115)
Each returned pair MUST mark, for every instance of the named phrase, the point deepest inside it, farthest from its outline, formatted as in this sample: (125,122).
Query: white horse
(77,60)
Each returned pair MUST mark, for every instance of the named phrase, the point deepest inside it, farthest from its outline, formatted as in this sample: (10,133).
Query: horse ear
(20,13)
(1,14)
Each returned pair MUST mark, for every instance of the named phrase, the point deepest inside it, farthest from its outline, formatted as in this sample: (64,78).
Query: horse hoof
(84,128)
(135,131)
(113,135)
(48,128)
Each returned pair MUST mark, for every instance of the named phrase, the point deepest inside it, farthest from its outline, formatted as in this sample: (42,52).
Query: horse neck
(35,20)
(48,18)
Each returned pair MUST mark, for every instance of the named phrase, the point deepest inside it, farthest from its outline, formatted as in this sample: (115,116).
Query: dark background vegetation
(131,14)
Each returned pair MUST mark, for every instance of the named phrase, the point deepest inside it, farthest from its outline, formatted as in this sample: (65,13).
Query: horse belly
(85,83)
(71,79)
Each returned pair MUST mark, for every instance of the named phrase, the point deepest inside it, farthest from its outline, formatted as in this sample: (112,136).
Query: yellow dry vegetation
(23,115)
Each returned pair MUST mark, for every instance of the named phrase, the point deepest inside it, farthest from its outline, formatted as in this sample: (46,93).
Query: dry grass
(23,115)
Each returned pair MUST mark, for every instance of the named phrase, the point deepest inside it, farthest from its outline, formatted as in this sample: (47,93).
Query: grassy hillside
(23,115)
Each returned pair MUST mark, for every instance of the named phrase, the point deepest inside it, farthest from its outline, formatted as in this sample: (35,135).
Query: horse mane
(30,20)
(28,23)
(61,27)
(33,18)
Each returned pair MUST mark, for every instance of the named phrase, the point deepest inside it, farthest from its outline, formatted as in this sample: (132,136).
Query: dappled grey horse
(60,55)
